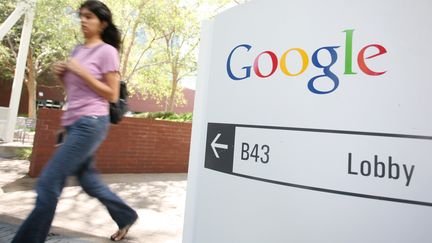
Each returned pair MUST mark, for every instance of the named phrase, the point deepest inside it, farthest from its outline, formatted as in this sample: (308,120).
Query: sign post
(311,124)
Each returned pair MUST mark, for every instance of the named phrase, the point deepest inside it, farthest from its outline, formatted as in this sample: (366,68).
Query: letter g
(247,68)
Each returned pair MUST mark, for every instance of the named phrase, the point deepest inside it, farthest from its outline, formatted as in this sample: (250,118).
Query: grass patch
(24,154)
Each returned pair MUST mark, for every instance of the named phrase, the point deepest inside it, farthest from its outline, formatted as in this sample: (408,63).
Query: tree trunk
(171,100)
(128,50)
(31,85)
(126,55)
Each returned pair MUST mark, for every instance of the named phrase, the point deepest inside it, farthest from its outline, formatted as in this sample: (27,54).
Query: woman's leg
(120,212)
(83,138)
(49,186)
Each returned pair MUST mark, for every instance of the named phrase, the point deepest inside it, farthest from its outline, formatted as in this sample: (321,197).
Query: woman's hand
(74,66)
(58,68)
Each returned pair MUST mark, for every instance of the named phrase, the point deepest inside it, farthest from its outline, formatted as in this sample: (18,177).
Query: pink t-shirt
(81,99)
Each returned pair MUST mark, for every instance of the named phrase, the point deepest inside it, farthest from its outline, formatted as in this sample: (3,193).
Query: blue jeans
(73,157)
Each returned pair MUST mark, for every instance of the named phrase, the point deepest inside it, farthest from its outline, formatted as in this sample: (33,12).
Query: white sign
(311,124)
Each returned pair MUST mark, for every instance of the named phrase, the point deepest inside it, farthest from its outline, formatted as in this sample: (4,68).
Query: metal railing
(24,129)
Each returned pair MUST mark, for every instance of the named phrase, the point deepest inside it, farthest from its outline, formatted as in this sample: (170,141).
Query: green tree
(177,22)
(178,25)
(54,33)
(138,67)
(160,39)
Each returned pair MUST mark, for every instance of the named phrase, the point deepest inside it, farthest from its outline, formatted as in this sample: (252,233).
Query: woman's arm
(108,90)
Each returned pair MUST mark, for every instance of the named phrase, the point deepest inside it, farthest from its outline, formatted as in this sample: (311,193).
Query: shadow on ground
(57,234)
(158,198)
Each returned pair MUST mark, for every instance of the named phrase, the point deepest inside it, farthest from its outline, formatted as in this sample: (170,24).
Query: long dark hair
(110,35)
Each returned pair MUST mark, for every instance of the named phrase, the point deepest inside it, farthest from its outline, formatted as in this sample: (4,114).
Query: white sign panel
(312,124)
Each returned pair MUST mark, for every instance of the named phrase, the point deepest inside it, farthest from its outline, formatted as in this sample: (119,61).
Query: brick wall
(5,93)
(136,145)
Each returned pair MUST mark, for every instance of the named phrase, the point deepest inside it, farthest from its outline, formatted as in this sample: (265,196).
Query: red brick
(134,146)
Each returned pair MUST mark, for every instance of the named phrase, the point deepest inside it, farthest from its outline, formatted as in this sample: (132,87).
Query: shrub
(169,116)
(24,153)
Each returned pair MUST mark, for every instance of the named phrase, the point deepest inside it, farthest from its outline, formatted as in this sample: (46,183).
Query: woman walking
(91,79)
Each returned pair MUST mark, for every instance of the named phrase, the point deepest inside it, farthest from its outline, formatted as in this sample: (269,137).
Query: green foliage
(160,43)
(7,63)
(160,40)
(24,153)
(170,30)
(55,31)
(6,56)
(170,116)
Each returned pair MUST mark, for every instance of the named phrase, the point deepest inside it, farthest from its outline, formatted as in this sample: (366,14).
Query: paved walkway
(158,198)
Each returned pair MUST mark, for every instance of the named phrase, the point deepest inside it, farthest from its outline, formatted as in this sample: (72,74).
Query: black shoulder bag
(119,108)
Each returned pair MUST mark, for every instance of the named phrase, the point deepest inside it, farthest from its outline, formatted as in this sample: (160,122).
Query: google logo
(281,62)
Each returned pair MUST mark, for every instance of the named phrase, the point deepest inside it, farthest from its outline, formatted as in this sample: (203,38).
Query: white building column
(26,7)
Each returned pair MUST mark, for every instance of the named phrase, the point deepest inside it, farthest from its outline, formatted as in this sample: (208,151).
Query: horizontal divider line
(376,134)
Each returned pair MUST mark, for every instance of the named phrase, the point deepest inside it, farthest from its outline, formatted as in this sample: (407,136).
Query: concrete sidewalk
(158,198)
